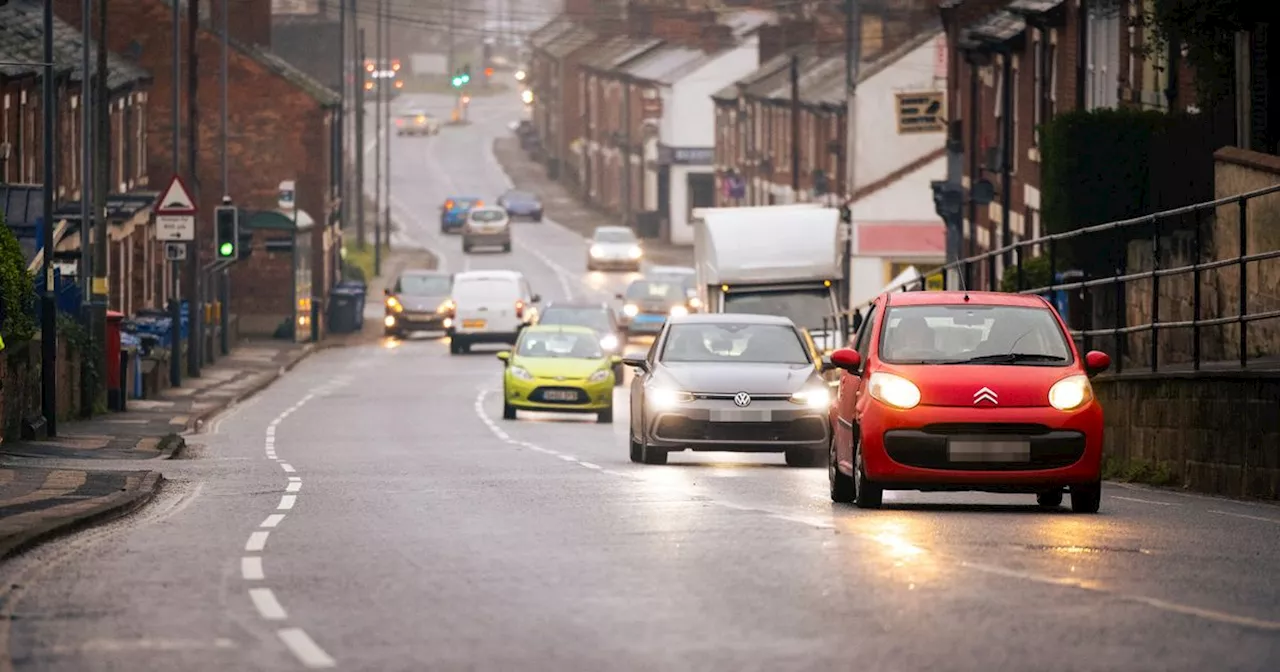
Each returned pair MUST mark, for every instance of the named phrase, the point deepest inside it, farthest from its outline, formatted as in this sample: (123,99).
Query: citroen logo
(986,394)
(742,399)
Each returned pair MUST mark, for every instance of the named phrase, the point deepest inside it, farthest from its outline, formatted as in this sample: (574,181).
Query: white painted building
(683,152)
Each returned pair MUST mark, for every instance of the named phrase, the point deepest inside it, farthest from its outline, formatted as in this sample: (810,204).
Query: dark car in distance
(418,301)
(521,204)
(453,214)
(597,316)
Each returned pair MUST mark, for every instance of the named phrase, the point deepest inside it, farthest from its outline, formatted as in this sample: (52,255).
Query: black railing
(1147,289)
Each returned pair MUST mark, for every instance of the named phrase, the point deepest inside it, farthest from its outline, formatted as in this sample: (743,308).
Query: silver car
(729,382)
(486,226)
(614,248)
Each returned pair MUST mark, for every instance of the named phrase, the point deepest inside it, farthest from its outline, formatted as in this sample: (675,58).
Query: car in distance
(648,303)
(558,368)
(490,307)
(453,213)
(418,301)
(966,391)
(614,248)
(685,276)
(521,204)
(416,122)
(728,382)
(486,227)
(597,316)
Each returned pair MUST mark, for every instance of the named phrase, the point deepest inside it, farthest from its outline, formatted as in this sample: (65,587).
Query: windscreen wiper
(1013,358)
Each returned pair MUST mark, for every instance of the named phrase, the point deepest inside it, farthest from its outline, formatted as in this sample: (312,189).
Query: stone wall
(1215,433)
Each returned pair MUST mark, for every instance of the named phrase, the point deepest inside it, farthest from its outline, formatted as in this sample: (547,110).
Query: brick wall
(279,131)
(249,20)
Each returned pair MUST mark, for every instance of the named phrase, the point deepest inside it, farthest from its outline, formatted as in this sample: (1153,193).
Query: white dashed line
(1247,517)
(1145,501)
(568,458)
(295,478)
(272,520)
(251,569)
(293,486)
(267,604)
(257,541)
(305,648)
(287,467)
(287,502)
(589,465)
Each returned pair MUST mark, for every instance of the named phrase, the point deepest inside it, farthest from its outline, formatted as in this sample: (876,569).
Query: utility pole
(175,301)
(101,187)
(48,306)
(386,158)
(1006,162)
(195,304)
(852,61)
(358,191)
(341,122)
(224,276)
(453,13)
(795,128)
(85,272)
(378,87)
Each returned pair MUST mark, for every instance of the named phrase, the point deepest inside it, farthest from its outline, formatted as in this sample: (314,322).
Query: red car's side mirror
(846,359)
(1096,362)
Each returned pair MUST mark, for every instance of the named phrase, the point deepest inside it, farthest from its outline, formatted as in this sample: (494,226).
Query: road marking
(559,271)
(568,458)
(267,604)
(272,520)
(295,478)
(1144,501)
(288,467)
(257,542)
(251,569)
(1247,517)
(287,502)
(305,648)
(590,465)
(294,486)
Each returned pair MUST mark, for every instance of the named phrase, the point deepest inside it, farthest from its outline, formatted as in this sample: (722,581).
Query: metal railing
(1156,243)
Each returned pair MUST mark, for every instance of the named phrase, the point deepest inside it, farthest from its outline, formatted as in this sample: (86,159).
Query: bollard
(124,381)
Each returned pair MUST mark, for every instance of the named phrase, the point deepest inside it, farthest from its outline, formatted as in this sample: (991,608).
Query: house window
(1051,75)
(140,135)
(1037,85)
(1013,127)
(997,71)
(1103,53)
(1155,67)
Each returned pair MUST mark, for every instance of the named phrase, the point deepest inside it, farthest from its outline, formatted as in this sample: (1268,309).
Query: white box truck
(774,260)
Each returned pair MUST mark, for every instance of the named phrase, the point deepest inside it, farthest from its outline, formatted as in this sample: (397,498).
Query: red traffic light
(488,72)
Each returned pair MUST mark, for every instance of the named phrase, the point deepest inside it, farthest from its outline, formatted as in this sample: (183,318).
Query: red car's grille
(1048,450)
(986,428)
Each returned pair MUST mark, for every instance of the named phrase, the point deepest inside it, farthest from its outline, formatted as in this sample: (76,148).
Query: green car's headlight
(599,376)
(522,374)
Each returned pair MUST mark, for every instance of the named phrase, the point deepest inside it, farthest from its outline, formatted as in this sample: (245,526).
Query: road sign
(175,252)
(923,112)
(176,199)
(175,227)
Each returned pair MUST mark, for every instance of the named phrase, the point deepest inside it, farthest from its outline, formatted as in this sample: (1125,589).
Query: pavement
(372,511)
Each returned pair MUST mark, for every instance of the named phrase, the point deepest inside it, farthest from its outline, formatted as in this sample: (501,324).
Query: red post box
(112,349)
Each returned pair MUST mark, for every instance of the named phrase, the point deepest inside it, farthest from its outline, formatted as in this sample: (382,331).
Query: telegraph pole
(224,276)
(378,87)
(175,302)
(852,60)
(386,157)
(85,272)
(48,306)
(195,306)
(359,148)
(101,187)
(795,128)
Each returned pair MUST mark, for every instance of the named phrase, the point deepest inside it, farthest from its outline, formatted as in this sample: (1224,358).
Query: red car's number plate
(989,451)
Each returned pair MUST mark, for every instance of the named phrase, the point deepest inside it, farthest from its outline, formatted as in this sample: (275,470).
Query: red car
(947,391)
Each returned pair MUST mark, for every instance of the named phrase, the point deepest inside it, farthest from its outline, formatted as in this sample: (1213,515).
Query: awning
(279,220)
(1030,7)
(998,28)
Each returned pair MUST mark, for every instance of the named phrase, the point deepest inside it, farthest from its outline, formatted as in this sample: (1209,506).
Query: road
(371,511)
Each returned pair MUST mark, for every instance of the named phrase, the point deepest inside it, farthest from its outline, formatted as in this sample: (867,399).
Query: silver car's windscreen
(645,290)
(806,308)
(424,285)
(618,236)
(488,215)
(581,317)
(743,343)
(956,334)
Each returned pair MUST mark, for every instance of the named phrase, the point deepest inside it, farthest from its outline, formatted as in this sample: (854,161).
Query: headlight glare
(599,376)
(609,342)
(677,311)
(893,390)
(635,252)
(597,251)
(631,310)
(665,398)
(394,304)
(445,307)
(1070,393)
(817,398)
(522,374)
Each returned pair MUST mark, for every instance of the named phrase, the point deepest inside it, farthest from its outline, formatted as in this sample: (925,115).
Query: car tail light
(448,205)
(399,122)
(479,204)
(520,309)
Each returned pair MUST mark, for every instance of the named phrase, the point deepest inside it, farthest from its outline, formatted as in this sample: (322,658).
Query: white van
(490,307)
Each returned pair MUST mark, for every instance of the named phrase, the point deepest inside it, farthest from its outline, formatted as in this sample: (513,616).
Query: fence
(1153,291)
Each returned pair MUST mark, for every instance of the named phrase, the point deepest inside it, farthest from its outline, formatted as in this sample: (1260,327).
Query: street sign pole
(176,226)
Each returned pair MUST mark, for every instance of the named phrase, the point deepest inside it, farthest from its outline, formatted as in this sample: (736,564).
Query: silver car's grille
(729,397)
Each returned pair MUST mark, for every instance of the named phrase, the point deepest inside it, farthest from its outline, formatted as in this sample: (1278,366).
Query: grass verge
(1137,471)
(360,261)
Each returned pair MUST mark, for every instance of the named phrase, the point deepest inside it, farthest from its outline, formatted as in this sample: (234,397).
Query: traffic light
(457,81)
(466,73)
(227,241)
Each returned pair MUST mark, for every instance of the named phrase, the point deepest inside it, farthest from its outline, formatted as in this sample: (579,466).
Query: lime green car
(560,369)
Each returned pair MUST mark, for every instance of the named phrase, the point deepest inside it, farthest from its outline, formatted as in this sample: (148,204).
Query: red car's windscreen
(958,334)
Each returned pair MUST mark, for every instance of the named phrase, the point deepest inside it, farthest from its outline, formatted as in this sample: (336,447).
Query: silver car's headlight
(666,398)
(635,252)
(609,342)
(678,311)
(631,310)
(520,373)
(599,376)
(597,251)
(816,398)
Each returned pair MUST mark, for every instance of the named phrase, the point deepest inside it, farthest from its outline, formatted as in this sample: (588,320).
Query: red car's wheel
(867,495)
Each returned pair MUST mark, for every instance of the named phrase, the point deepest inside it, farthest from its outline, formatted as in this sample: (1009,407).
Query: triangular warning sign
(176,200)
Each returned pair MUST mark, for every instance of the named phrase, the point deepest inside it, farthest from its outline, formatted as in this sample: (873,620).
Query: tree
(1205,29)
(17,290)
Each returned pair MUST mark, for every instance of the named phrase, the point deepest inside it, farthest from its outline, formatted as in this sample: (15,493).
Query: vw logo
(742,400)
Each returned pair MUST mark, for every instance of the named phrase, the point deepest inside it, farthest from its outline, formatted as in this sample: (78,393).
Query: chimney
(248,21)
(717,38)
(776,40)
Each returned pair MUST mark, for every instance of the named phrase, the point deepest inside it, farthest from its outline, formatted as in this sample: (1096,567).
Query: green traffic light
(466,78)
(226,249)
(457,81)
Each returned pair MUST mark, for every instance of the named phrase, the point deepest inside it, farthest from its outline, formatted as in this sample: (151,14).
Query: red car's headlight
(1070,393)
(893,390)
